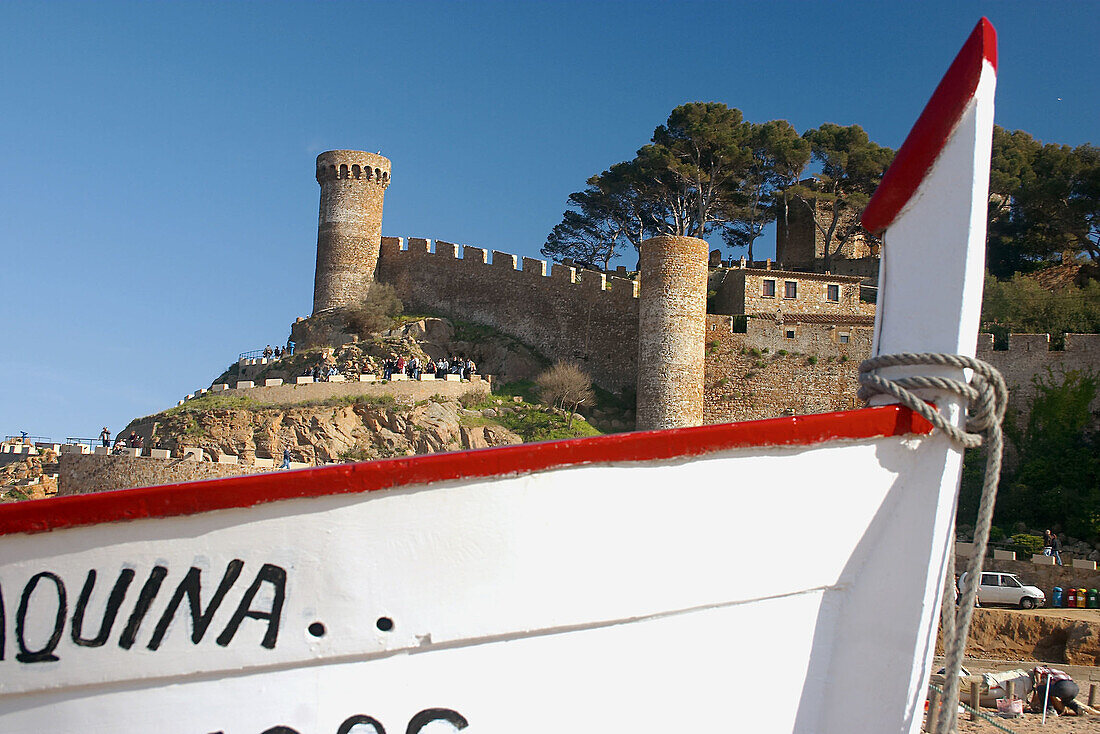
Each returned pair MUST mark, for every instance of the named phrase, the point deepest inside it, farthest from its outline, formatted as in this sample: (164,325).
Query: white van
(1006,588)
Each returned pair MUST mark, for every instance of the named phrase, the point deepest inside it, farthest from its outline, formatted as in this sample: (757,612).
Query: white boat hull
(739,584)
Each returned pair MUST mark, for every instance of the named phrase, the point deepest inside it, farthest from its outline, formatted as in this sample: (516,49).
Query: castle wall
(86,473)
(1029,355)
(564,313)
(763,373)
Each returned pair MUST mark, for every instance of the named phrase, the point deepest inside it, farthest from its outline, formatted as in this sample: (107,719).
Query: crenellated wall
(1029,355)
(563,312)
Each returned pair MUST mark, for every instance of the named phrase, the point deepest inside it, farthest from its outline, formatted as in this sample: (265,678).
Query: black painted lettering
(141,608)
(276,576)
(46,653)
(3,623)
(351,721)
(425,717)
(110,611)
(190,587)
(279,730)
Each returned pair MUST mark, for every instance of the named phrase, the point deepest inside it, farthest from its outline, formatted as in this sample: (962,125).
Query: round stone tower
(672,314)
(349,226)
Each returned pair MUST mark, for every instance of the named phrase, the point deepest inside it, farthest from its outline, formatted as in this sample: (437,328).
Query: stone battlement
(1019,343)
(563,312)
(353,164)
(419,253)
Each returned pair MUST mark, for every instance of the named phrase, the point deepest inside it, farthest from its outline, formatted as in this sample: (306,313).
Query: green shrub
(996,534)
(1028,543)
(811,360)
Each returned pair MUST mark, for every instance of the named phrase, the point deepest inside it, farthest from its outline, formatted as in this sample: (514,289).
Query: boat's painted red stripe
(930,133)
(195,497)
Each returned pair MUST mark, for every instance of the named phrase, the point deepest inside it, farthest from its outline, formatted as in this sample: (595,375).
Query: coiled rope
(987,397)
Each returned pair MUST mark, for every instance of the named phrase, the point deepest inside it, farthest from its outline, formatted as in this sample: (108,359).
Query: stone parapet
(86,473)
(569,315)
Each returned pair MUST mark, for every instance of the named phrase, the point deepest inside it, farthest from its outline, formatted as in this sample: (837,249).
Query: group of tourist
(455,365)
(413,367)
(277,352)
(322,372)
(134,441)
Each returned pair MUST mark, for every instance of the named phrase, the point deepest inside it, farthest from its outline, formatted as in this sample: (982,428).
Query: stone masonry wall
(811,293)
(764,374)
(86,473)
(564,313)
(1029,355)
(672,316)
(801,244)
(349,225)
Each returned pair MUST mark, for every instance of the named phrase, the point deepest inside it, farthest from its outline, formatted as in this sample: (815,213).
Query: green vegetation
(1055,480)
(565,386)
(532,424)
(811,360)
(708,172)
(1029,544)
(1044,200)
(374,313)
(1021,305)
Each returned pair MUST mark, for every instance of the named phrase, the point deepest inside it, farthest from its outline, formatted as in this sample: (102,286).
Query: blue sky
(157,202)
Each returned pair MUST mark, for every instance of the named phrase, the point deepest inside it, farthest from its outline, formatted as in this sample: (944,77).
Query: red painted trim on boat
(930,133)
(194,497)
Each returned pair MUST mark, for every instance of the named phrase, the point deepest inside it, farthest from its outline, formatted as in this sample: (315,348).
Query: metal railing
(31,439)
(93,442)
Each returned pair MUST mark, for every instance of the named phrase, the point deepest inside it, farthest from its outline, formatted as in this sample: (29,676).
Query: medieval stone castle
(700,341)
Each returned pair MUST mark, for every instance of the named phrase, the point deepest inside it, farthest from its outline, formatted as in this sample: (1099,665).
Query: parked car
(1006,588)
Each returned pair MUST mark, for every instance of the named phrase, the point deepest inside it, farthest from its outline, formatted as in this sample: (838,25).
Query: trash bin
(1092,599)
(1071,597)
(1080,598)
(1056,599)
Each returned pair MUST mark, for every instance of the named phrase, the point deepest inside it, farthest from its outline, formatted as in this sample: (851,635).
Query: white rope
(987,398)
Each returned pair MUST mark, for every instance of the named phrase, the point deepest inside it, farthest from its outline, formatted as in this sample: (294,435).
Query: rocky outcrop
(324,434)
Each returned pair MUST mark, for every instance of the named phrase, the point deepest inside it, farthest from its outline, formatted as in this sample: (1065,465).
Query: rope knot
(986,394)
(986,399)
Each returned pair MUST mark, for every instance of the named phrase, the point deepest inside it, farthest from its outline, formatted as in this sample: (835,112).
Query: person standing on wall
(105,437)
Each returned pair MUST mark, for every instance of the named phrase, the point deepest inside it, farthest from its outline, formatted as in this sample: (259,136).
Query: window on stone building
(790,333)
(843,337)
(769,289)
(832,293)
(790,289)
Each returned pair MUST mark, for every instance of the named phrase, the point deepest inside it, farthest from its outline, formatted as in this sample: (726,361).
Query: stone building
(769,340)
(800,242)
(784,293)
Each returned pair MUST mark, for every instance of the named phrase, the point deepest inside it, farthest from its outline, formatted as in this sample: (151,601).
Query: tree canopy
(705,171)
(1044,201)
(708,171)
